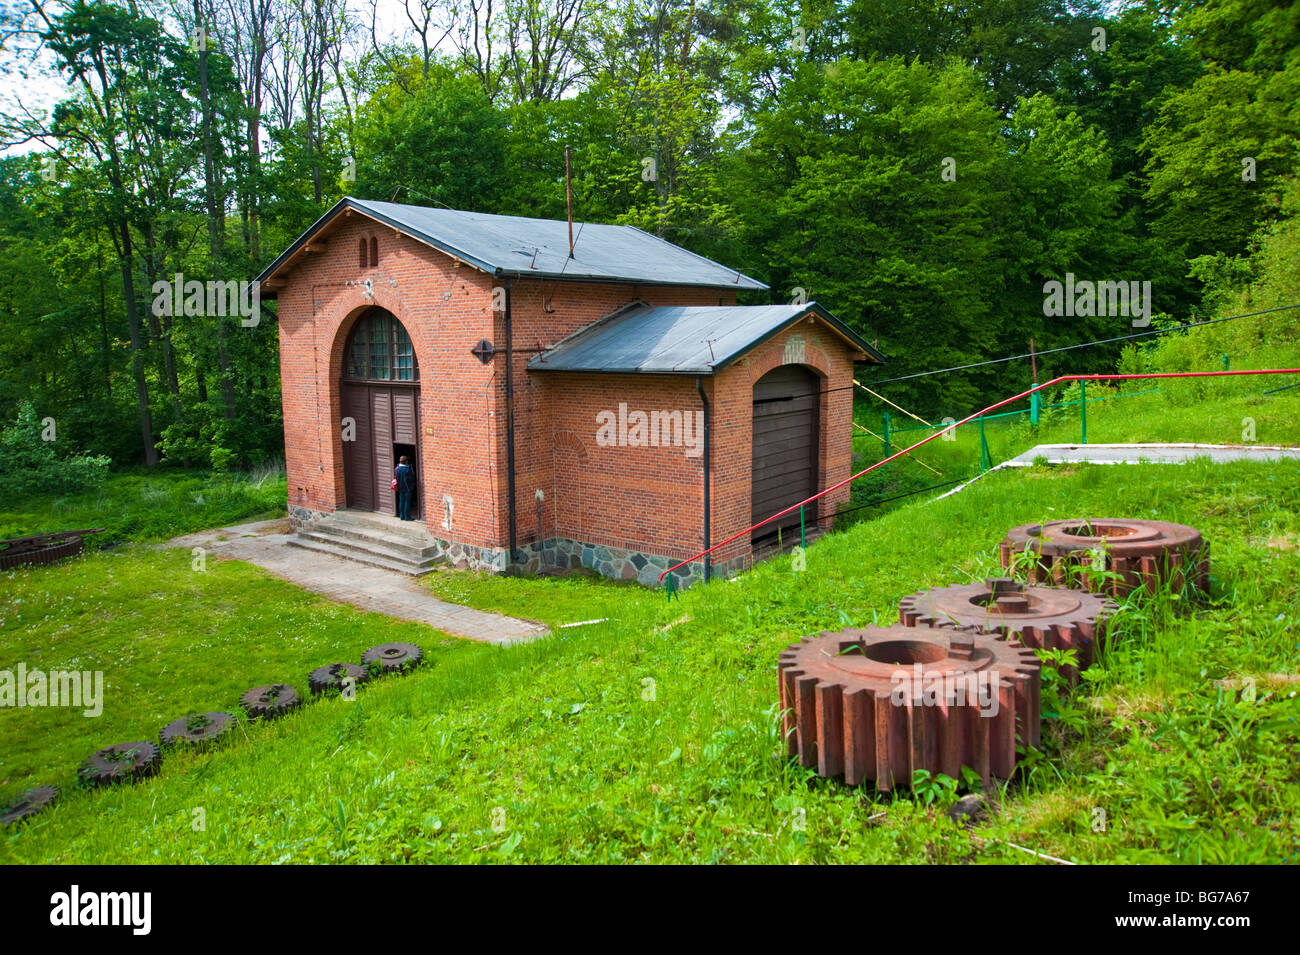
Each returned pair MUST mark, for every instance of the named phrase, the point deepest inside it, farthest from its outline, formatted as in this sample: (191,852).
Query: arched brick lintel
(335,328)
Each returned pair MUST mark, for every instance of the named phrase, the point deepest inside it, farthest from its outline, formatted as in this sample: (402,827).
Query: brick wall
(642,499)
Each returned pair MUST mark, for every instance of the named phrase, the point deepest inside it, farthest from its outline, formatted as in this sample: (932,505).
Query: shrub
(29,464)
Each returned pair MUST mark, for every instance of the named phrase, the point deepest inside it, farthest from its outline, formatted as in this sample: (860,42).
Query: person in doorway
(405,478)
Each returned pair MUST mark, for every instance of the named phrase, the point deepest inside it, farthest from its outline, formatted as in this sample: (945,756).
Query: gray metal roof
(681,340)
(513,245)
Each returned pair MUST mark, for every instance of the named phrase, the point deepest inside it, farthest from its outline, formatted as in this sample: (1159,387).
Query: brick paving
(367,588)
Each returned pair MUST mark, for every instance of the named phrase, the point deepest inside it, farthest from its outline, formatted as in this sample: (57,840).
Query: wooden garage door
(786,402)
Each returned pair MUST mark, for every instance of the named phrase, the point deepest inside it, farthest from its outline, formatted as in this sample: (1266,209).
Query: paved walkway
(265,544)
(1139,454)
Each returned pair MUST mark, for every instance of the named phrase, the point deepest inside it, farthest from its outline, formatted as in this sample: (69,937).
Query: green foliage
(29,463)
(444,144)
(139,505)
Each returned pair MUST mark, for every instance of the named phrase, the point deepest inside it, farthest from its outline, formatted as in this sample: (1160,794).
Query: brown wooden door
(385,417)
(786,429)
(381,429)
(358,454)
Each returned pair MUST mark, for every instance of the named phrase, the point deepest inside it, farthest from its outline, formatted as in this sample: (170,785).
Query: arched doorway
(380,392)
(786,429)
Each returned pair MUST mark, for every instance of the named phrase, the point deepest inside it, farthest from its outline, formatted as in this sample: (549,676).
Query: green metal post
(986,459)
(1083,412)
(884,421)
(1035,407)
(668,585)
(1226,362)
(803,531)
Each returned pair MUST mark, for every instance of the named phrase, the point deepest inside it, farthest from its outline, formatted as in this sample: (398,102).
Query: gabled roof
(683,340)
(516,246)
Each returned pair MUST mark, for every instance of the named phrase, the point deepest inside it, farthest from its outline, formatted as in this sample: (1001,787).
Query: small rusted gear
(1143,553)
(122,762)
(29,804)
(199,729)
(879,703)
(332,675)
(1044,618)
(267,702)
(393,657)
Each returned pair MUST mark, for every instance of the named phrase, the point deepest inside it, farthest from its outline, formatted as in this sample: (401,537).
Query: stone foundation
(559,553)
(304,518)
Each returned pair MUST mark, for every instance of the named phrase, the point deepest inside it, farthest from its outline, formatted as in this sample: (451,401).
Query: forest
(923,169)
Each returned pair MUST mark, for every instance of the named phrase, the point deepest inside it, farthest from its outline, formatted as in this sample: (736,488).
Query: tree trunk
(137,345)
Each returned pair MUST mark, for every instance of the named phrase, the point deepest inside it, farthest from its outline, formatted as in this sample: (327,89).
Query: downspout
(510,427)
(708,542)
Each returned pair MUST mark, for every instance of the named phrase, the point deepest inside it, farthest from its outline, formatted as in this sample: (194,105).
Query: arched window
(363,252)
(374,252)
(380,350)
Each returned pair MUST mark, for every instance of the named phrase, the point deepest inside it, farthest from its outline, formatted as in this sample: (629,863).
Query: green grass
(555,750)
(140,505)
(170,641)
(1208,411)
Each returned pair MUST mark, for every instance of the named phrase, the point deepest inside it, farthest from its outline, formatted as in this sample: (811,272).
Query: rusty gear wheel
(268,702)
(332,675)
(123,762)
(882,702)
(29,804)
(393,657)
(1044,618)
(1142,553)
(199,729)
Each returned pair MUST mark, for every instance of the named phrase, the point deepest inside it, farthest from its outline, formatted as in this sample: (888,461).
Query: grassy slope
(555,743)
(135,505)
(1206,411)
(170,641)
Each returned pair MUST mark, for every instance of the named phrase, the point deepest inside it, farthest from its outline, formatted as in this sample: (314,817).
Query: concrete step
(361,545)
(415,546)
(363,556)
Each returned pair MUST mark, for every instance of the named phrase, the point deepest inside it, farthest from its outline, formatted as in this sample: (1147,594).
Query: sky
(34,85)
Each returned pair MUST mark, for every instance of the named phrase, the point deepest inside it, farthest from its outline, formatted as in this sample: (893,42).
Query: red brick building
(561,409)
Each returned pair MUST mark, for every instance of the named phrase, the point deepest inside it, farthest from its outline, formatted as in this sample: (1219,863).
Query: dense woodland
(921,168)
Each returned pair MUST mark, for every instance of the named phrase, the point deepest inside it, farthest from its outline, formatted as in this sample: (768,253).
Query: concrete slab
(266,545)
(1137,454)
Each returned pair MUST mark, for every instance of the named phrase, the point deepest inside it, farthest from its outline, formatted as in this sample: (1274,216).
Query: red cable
(1005,401)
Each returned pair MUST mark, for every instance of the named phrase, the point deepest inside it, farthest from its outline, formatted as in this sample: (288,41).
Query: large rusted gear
(268,702)
(332,677)
(29,804)
(392,658)
(198,730)
(122,762)
(1143,553)
(1044,618)
(879,703)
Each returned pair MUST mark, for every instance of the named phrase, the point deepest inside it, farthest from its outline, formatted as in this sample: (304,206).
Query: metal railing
(969,418)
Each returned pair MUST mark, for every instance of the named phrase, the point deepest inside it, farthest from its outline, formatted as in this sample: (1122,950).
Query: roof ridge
(702,258)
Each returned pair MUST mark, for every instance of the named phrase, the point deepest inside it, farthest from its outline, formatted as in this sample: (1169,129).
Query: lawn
(138,505)
(1208,411)
(652,736)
